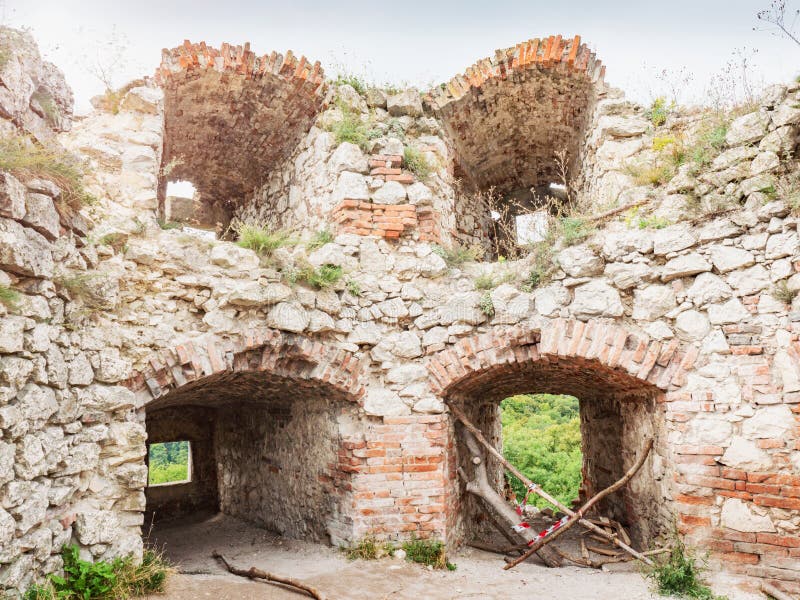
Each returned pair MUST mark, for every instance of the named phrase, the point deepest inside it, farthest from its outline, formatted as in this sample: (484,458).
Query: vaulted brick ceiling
(231,116)
(506,117)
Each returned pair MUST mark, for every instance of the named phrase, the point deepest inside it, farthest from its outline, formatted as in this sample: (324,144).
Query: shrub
(543,266)
(354,81)
(351,129)
(82,286)
(574,230)
(659,110)
(114,240)
(320,278)
(653,222)
(458,255)
(320,238)
(679,575)
(117,580)
(415,161)
(167,225)
(9,297)
(486,305)
(656,173)
(783,292)
(427,552)
(366,549)
(485,281)
(48,106)
(260,239)
(353,288)
(26,159)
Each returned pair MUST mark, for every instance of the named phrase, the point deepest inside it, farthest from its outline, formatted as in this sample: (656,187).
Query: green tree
(542,437)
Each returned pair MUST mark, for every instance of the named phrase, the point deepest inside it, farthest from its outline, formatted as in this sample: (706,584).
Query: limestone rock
(510,305)
(692,325)
(730,312)
(684,265)
(350,186)
(708,288)
(105,398)
(627,275)
(769,422)
(653,302)
(745,454)
(24,251)
(348,157)
(288,317)
(12,330)
(41,215)
(96,527)
(419,194)
(253,293)
(673,239)
(381,402)
(782,244)
(231,256)
(738,516)
(12,197)
(580,261)
(621,127)
(391,192)
(729,258)
(748,128)
(749,281)
(596,299)
(407,102)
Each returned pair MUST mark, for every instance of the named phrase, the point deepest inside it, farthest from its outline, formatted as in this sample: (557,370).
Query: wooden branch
(479,486)
(771,590)
(619,209)
(574,517)
(490,548)
(254,573)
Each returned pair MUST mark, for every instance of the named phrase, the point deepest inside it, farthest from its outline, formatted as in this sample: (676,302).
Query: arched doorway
(619,378)
(264,423)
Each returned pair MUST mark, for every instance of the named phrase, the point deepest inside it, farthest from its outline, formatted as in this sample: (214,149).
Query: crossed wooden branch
(473,433)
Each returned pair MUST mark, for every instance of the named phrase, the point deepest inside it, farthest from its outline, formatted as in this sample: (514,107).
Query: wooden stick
(619,209)
(481,488)
(503,531)
(254,573)
(771,590)
(489,548)
(574,517)
(603,551)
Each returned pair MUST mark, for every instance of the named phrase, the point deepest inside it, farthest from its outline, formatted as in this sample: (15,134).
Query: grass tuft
(353,288)
(167,225)
(573,230)
(486,305)
(458,255)
(321,278)
(415,161)
(783,292)
(359,84)
(351,129)
(427,552)
(366,549)
(9,297)
(659,110)
(119,579)
(322,237)
(260,239)
(679,575)
(26,159)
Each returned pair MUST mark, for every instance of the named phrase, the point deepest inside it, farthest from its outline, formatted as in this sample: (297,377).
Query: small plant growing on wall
(428,552)
(415,161)
(257,237)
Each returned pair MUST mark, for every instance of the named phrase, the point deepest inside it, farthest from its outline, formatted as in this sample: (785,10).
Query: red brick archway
(269,419)
(620,377)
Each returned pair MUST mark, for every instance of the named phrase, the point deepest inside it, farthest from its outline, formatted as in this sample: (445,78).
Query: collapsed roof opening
(231,116)
(516,124)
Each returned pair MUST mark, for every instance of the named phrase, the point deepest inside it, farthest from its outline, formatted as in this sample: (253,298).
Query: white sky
(417,42)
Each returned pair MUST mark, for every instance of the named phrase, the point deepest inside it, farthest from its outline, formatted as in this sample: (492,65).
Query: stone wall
(681,313)
(194,425)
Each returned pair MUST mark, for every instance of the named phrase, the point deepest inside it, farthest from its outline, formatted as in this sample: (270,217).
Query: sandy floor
(479,575)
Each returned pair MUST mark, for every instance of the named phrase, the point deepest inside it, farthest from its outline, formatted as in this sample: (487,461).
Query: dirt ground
(479,576)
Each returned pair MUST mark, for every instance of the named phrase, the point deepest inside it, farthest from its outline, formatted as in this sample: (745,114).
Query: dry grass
(26,159)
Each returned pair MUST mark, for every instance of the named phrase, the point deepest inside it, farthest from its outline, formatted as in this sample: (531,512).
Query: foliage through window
(169,463)
(542,437)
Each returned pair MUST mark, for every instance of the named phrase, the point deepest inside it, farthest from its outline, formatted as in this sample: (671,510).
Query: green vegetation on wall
(542,437)
(169,462)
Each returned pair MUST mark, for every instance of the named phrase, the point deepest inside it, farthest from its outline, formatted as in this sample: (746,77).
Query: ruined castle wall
(684,312)
(194,425)
(278,467)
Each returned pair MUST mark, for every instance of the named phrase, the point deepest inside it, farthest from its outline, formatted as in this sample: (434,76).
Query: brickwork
(262,106)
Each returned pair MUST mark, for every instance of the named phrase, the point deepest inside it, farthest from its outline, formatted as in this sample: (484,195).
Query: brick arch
(621,379)
(296,359)
(230,116)
(506,116)
(620,357)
